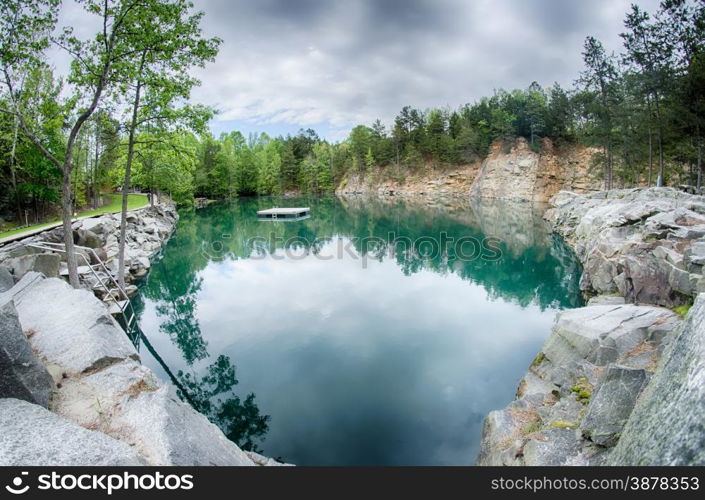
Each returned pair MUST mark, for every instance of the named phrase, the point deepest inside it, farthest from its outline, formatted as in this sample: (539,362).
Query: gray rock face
(45,263)
(264,461)
(156,421)
(33,436)
(668,426)
(6,279)
(647,245)
(22,376)
(612,404)
(553,447)
(87,238)
(574,389)
(72,328)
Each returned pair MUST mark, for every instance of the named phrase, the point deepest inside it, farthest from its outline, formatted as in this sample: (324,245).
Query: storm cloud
(332,64)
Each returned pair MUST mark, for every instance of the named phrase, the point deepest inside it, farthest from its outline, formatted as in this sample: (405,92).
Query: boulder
(87,238)
(33,436)
(606,300)
(72,328)
(46,263)
(552,447)
(644,244)
(612,404)
(6,279)
(667,426)
(91,400)
(602,334)
(21,287)
(155,420)
(22,376)
(264,461)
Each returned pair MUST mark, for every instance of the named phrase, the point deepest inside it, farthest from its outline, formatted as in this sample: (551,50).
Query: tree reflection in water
(213,396)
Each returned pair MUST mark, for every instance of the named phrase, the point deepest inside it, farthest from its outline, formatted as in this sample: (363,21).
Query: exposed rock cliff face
(455,182)
(510,171)
(668,426)
(101,386)
(647,245)
(573,402)
(522,174)
(618,383)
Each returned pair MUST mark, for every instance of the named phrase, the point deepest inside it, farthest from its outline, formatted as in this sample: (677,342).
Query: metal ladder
(109,285)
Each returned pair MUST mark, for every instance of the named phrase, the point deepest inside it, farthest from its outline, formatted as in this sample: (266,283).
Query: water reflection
(392,363)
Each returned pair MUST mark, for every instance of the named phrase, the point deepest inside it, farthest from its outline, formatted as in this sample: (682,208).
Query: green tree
(166,45)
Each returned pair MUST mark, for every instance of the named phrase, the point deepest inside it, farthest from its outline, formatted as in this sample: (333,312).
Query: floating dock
(284,214)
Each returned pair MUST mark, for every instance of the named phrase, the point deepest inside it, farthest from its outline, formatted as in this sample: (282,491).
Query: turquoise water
(370,333)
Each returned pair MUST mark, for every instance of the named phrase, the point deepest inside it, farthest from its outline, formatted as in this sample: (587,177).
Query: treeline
(643,108)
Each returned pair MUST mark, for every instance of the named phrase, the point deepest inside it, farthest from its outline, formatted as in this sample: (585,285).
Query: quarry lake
(371,333)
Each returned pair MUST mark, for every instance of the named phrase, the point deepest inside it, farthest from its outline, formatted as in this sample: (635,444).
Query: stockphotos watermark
(103,483)
(429,248)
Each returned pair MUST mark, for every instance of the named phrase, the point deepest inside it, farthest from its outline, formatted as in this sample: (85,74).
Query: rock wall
(61,349)
(668,426)
(451,183)
(574,400)
(617,383)
(148,229)
(519,173)
(647,245)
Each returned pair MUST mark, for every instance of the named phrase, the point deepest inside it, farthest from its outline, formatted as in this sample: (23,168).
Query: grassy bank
(134,201)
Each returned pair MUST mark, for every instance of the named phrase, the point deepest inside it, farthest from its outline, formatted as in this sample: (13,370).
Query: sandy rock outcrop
(516,172)
(435,184)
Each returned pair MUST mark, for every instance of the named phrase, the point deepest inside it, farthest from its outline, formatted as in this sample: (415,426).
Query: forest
(122,119)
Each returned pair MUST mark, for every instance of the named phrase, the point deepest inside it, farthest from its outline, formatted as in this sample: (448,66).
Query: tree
(165,46)
(649,51)
(599,78)
(27,28)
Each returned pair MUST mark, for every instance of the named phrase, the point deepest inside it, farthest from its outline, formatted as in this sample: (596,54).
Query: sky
(333,64)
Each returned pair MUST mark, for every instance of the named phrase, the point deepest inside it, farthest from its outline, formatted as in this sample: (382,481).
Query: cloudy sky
(331,64)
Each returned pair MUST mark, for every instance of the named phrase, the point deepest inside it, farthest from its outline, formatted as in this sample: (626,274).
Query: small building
(284,214)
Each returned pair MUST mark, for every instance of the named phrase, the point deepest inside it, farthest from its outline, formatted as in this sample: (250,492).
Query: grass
(134,201)
(560,424)
(583,390)
(682,310)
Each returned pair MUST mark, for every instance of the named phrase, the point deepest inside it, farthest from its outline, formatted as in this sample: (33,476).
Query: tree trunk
(13,171)
(660,158)
(651,158)
(126,186)
(66,215)
(700,163)
(660,141)
(96,160)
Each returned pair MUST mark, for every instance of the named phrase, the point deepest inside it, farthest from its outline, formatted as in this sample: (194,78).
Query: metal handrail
(61,248)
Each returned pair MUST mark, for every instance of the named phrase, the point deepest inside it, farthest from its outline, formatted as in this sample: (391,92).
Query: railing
(122,302)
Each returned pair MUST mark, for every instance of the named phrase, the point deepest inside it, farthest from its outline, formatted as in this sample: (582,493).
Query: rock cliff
(646,245)
(617,382)
(516,172)
(435,184)
(511,171)
(60,348)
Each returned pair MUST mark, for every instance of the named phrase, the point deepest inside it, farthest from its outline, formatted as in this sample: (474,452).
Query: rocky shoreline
(620,381)
(72,388)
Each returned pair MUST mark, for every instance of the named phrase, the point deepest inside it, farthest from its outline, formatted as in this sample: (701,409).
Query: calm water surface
(360,352)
